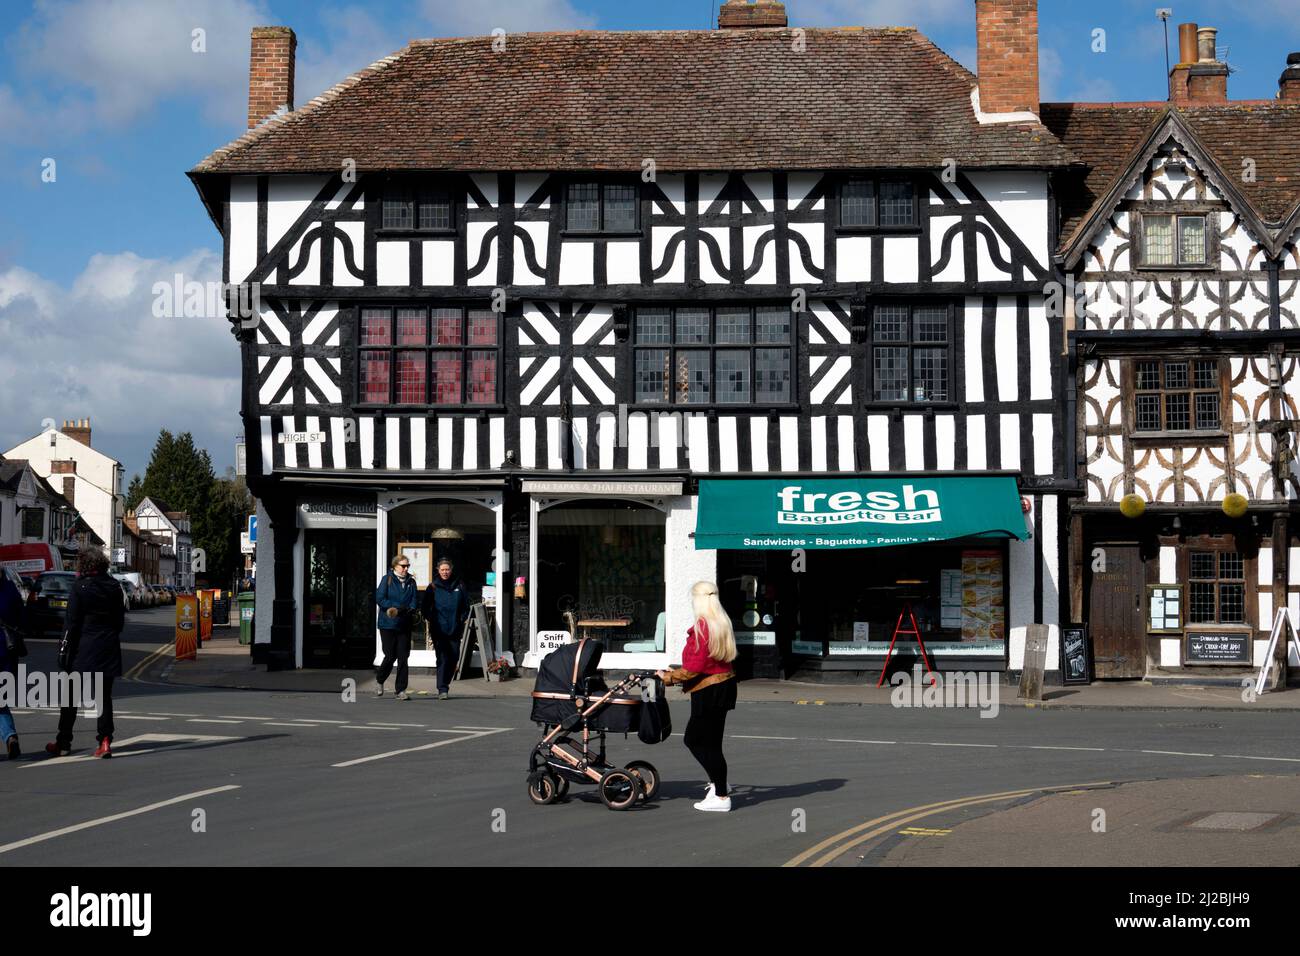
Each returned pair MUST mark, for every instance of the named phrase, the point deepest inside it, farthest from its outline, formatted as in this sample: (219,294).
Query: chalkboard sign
(1219,647)
(478,631)
(1075,665)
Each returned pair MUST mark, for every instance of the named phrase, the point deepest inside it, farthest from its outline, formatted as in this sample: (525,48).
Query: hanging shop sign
(855,513)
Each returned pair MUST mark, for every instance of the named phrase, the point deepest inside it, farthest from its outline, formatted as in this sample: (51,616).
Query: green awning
(855,512)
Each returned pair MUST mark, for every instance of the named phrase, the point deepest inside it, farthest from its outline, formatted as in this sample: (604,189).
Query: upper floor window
(429,356)
(601,207)
(729,355)
(1175,395)
(1174,240)
(871,203)
(911,353)
(33,523)
(417,207)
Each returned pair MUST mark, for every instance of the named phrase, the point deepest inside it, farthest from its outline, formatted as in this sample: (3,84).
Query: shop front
(822,576)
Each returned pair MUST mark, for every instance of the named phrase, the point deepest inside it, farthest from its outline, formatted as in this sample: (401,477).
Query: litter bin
(246,601)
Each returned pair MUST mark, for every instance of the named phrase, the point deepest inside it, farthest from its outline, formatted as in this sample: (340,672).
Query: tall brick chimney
(1198,79)
(1288,84)
(78,430)
(740,14)
(1007,40)
(270,72)
(70,489)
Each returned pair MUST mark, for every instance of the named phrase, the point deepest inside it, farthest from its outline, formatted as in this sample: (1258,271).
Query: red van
(29,560)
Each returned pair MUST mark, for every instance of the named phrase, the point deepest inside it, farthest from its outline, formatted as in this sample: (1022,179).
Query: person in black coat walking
(94,639)
(446,606)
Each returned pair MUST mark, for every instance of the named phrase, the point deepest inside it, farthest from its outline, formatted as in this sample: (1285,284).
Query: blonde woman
(707,675)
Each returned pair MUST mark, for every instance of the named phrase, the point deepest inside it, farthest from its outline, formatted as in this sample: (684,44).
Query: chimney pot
(1205,37)
(1187,48)
(270,72)
(1288,84)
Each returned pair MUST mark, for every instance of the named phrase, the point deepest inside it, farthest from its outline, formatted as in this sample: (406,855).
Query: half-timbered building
(554,304)
(1181,244)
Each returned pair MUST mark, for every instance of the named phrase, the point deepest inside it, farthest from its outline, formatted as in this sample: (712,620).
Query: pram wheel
(561,787)
(619,789)
(543,788)
(648,775)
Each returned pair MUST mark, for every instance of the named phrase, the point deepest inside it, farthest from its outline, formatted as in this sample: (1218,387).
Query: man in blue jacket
(397,597)
(446,606)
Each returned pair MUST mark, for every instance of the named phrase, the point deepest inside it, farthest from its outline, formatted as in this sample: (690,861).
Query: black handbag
(15,646)
(656,721)
(65,653)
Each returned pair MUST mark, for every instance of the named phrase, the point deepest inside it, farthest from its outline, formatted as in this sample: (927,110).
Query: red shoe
(54,750)
(102,750)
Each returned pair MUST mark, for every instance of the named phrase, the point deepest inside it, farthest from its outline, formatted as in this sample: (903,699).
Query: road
(217,777)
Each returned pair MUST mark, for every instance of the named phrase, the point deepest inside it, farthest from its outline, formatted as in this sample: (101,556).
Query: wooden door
(1115,613)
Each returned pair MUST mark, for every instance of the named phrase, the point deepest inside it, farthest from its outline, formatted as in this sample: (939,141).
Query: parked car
(161,595)
(49,609)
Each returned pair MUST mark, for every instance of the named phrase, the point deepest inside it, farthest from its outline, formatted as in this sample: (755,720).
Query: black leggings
(705,729)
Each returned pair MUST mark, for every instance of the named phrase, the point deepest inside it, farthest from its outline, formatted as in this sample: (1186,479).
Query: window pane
(376,329)
(890,374)
(1207,375)
(482,377)
(733,376)
(584,207)
(653,327)
(931,325)
(1176,375)
(447,327)
(1232,604)
(445,378)
(1148,413)
(1148,375)
(692,325)
(410,378)
(733,326)
(374,377)
(435,212)
(620,208)
(771,375)
(1178,411)
(693,377)
(1207,410)
(858,203)
(652,375)
(1191,239)
(483,328)
(896,207)
(773,325)
(1201,564)
(1158,240)
(1232,566)
(397,214)
(890,324)
(1201,603)
(410,327)
(930,374)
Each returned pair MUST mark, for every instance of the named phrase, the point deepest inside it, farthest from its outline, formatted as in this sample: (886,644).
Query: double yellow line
(149,660)
(836,846)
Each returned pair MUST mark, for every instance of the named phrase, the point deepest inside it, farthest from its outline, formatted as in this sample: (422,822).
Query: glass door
(338,600)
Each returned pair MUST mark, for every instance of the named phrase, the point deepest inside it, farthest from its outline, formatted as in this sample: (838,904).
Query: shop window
(1216,587)
(600,572)
(911,353)
(601,207)
(410,207)
(1176,395)
(1173,240)
(870,203)
(429,356)
(729,355)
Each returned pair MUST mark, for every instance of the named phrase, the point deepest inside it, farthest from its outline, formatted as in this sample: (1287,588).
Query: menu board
(1219,647)
(982,611)
(950,598)
(1164,608)
(1074,654)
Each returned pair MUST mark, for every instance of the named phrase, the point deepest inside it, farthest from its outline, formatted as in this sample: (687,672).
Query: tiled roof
(689,100)
(1105,136)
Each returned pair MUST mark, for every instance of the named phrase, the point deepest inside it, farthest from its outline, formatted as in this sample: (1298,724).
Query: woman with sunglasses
(396,597)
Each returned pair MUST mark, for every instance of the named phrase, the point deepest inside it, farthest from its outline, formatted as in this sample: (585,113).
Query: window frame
(712,346)
(600,181)
(1218,545)
(1164,434)
(1211,234)
(869,356)
(914,227)
(414,192)
(429,349)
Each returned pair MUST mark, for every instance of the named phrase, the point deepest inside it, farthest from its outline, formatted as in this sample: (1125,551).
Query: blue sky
(113,92)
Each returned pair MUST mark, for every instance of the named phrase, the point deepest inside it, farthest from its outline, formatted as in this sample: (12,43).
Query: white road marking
(467,727)
(1046,747)
(384,723)
(1175,753)
(366,727)
(841,740)
(759,737)
(211,720)
(928,743)
(117,716)
(271,723)
(42,837)
(237,717)
(1248,757)
(316,720)
(469,735)
(120,751)
(159,713)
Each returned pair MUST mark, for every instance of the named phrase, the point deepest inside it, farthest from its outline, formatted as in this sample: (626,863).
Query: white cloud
(354,40)
(481,17)
(95,349)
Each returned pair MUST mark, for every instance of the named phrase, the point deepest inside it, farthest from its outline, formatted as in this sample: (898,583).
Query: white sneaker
(379,691)
(714,803)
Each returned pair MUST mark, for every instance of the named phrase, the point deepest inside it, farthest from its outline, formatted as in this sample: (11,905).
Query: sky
(104,105)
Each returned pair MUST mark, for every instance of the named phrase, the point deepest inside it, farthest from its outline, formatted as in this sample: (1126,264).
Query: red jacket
(695,656)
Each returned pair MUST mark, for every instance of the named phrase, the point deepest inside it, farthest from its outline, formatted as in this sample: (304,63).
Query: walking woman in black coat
(94,635)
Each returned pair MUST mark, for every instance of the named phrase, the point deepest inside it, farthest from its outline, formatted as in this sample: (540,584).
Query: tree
(134,493)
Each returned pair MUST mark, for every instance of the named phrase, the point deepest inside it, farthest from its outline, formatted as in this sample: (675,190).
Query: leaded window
(417,207)
(911,353)
(601,207)
(418,355)
(1176,395)
(869,203)
(1169,240)
(1216,587)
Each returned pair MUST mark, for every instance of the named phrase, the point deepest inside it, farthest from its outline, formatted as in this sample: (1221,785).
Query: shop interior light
(447,532)
(909,581)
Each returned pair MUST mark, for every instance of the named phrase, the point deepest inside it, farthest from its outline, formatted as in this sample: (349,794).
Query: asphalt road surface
(215,777)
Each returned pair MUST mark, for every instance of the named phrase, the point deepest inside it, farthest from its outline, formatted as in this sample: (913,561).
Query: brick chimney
(740,14)
(78,430)
(70,489)
(270,73)
(1198,79)
(1288,84)
(1007,40)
